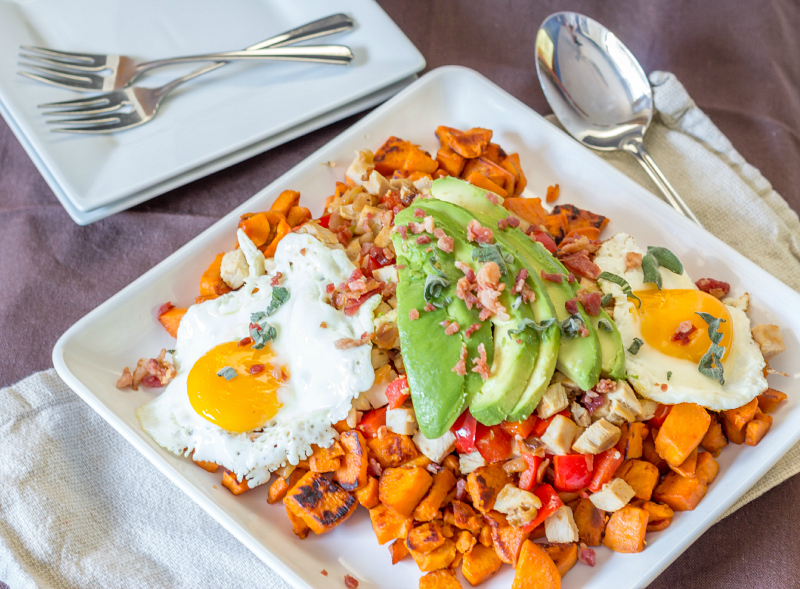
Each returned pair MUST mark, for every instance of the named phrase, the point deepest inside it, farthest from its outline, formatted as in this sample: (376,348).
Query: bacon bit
(164,308)
(512,221)
(583,331)
(246,341)
(428,250)
(580,264)
(400,266)
(329,288)
(126,380)
(433,468)
(350,582)
(587,555)
(389,290)
(555,277)
(633,260)
(445,323)
(715,288)
(591,301)
(489,290)
(451,329)
(664,388)
(461,366)
(472,329)
(348,342)
(324,572)
(343,234)
(413,314)
(605,385)
(571,245)
(429,307)
(592,401)
(151,381)
(152,373)
(419,213)
(446,244)
(255,368)
(465,268)
(461,489)
(492,198)
(571,306)
(519,281)
(552,193)
(683,334)
(416,228)
(429,225)
(402,230)
(571,278)
(438,233)
(352,307)
(480,363)
(502,223)
(423,239)
(382,432)
(276,279)
(478,233)
(324,325)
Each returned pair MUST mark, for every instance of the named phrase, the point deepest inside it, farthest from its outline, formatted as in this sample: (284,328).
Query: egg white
(647,369)
(323,380)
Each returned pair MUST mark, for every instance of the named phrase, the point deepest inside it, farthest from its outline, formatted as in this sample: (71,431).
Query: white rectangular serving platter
(91,354)
(209,119)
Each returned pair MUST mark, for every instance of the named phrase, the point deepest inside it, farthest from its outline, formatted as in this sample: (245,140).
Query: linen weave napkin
(81,508)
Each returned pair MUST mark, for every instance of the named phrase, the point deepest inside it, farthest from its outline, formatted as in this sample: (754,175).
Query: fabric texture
(79,507)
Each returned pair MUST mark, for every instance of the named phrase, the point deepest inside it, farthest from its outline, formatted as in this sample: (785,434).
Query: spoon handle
(636,149)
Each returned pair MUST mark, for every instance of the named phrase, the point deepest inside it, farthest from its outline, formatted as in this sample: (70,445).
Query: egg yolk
(245,402)
(663,311)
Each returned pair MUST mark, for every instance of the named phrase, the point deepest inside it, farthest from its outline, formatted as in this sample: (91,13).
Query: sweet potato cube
(207,466)
(535,569)
(396,154)
(321,503)
(171,319)
(641,476)
(468,144)
(657,511)
(425,537)
(403,488)
(398,550)
(529,209)
(465,541)
(388,524)
(368,494)
(494,153)
(450,161)
(299,526)
(492,171)
(485,536)
(230,482)
(633,441)
(441,579)
(768,400)
(479,564)
(298,216)
(438,558)
(565,556)
(707,468)
(682,431)
(735,421)
(484,483)
(757,428)
(688,466)
(714,440)
(278,489)
(680,493)
(658,525)
(626,529)
(650,455)
(590,521)
(285,201)
(352,474)
(421,460)
(428,508)
(481,181)
(211,283)
(465,518)
(326,459)
(511,163)
(256,226)
(507,542)
(283,229)
(393,450)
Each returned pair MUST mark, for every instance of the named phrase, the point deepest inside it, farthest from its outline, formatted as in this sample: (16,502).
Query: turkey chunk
(234,268)
(769,339)
(613,496)
(580,415)
(361,168)
(560,526)
(401,421)
(469,462)
(519,506)
(554,400)
(620,405)
(601,436)
(438,448)
(560,434)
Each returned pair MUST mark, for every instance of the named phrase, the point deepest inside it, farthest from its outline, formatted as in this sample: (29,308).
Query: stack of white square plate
(208,124)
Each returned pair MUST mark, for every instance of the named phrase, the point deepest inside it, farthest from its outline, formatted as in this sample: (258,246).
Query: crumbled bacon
(571,245)
(478,233)
(489,290)
(461,489)
(323,325)
(246,341)
(445,323)
(461,366)
(715,288)
(468,272)
(591,301)
(352,307)
(166,307)
(664,388)
(374,467)
(348,342)
(451,329)
(605,385)
(350,582)
(472,329)
(464,292)
(255,368)
(592,401)
(683,335)
(512,221)
(429,224)
(571,306)
(126,379)
(419,213)
(586,555)
(446,244)
(389,289)
(423,239)
(433,468)
(502,223)
(580,264)
(583,330)
(481,367)
(429,307)
(492,198)
(343,234)
(276,280)
(554,277)
(152,372)
(416,228)
(329,288)
(413,314)
(519,281)
(402,230)
(570,278)
(324,572)
(633,260)
(151,381)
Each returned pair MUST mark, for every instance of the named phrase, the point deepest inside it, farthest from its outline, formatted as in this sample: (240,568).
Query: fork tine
(58,78)
(86,110)
(66,65)
(64,55)
(85,121)
(99,129)
(93,100)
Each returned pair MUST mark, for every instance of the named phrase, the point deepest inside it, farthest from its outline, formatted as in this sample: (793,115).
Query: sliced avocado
(579,358)
(515,354)
(612,351)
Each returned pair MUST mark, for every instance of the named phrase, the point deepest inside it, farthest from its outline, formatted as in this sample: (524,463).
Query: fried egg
(254,410)
(666,366)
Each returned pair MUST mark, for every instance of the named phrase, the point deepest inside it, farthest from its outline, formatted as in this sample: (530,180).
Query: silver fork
(90,72)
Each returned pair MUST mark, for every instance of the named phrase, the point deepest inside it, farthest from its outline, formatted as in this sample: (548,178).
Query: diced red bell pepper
(371,421)
(520,428)
(492,442)
(542,425)
(397,392)
(660,416)
(545,240)
(605,465)
(325,220)
(464,430)
(527,478)
(550,502)
(573,472)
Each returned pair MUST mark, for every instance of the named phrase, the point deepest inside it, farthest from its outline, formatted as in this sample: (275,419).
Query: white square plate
(209,119)
(91,354)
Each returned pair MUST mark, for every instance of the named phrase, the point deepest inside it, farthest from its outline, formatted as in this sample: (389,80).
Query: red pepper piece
(660,415)
(492,442)
(573,472)
(371,421)
(605,465)
(520,428)
(550,502)
(397,392)
(464,430)
(527,478)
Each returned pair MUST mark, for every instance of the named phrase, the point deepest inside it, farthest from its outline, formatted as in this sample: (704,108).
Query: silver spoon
(598,91)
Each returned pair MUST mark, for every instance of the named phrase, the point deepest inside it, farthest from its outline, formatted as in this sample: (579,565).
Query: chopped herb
(439,304)
(669,374)
(634,349)
(666,259)
(433,260)
(622,283)
(607,298)
(262,336)
(490,252)
(434,285)
(650,270)
(711,362)
(227,373)
(605,325)
(526,323)
(509,258)
(279,296)
(257,316)
(571,326)
(171,352)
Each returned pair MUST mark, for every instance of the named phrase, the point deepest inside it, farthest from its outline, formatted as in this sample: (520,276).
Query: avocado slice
(515,354)
(611,348)
(579,358)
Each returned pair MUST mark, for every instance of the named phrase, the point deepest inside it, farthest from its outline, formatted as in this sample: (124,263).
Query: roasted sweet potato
(438,558)
(230,482)
(321,503)
(299,526)
(735,421)
(353,472)
(658,525)
(283,229)
(714,440)
(482,181)
(211,283)
(298,216)
(682,431)
(529,209)
(368,494)
(657,511)
(479,564)
(326,459)
(500,176)
(590,521)
(285,201)
(468,144)
(403,488)
(650,455)
(757,428)
(641,476)
(281,486)
(485,536)
(388,524)
(632,441)
(565,556)
(535,569)
(393,450)
(484,483)
(396,154)
(680,493)
(511,163)
(171,319)
(626,529)
(688,466)
(208,466)
(425,537)
(464,517)
(256,226)
(420,460)
(428,508)
(441,579)
(494,153)
(507,542)
(769,400)
(465,541)
(450,161)
(398,550)
(577,218)
(552,193)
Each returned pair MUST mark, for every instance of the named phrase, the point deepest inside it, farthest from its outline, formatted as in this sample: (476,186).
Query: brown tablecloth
(739,60)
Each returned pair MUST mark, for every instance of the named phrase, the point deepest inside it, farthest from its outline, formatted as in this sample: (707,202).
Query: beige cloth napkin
(79,507)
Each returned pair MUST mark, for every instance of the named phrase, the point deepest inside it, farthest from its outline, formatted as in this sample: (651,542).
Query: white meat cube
(742,303)
(401,421)
(386,274)
(361,168)
(613,496)
(560,526)
(353,417)
(377,184)
(599,437)
(554,400)
(234,268)
(520,506)
(361,403)
(649,408)
(580,415)
(620,405)
(469,462)
(438,448)
(560,434)
(769,339)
